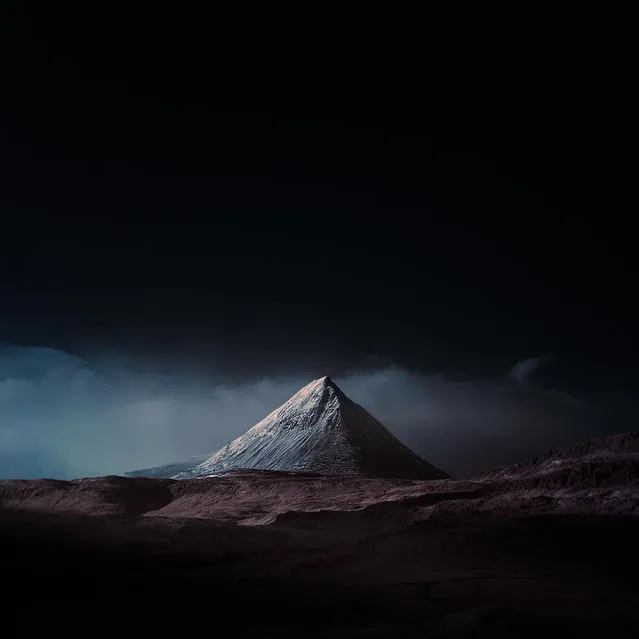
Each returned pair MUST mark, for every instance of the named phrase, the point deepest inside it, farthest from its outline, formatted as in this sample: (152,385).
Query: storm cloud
(61,416)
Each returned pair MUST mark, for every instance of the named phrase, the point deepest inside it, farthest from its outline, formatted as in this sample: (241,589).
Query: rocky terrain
(516,552)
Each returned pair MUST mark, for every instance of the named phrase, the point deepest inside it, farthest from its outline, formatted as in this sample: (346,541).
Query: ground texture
(545,547)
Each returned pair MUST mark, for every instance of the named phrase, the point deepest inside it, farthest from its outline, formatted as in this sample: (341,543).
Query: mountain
(318,430)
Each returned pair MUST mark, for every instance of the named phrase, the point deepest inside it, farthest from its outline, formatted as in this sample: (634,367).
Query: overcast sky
(64,417)
(184,243)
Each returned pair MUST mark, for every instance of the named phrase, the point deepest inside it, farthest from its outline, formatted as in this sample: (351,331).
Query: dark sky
(450,216)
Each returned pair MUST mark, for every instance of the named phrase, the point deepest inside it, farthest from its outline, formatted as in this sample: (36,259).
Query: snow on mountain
(318,430)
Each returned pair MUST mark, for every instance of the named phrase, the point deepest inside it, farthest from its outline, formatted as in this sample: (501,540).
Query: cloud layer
(63,417)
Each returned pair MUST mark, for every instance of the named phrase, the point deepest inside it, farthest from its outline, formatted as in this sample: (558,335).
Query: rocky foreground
(549,546)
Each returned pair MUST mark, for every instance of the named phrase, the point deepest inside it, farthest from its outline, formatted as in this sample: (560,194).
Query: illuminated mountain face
(318,430)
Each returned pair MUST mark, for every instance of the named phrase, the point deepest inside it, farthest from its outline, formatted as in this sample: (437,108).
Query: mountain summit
(317,430)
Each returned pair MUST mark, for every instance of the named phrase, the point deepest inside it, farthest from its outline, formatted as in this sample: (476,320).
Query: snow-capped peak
(319,429)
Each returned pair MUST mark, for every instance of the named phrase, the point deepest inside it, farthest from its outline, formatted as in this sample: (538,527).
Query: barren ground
(541,548)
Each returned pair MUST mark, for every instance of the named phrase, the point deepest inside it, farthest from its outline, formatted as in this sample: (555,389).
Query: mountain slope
(317,430)
(170,470)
